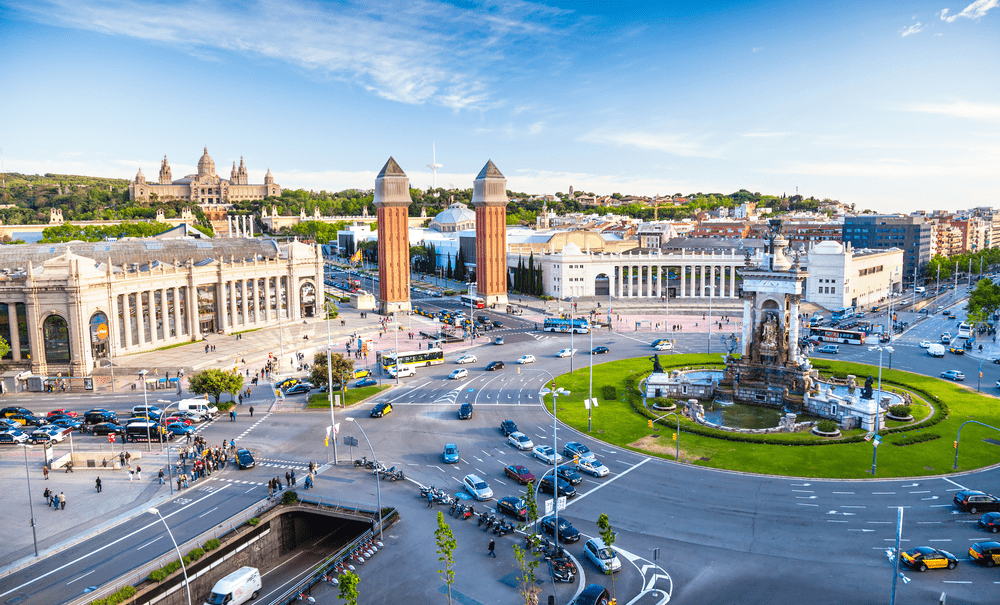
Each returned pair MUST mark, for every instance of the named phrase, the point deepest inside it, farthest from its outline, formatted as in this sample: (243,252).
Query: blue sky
(891,106)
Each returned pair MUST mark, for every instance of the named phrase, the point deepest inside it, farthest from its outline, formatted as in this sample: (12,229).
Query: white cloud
(425,51)
(989,112)
(890,169)
(976,10)
(675,144)
(916,28)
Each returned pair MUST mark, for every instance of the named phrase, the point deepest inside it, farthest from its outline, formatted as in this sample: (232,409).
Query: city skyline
(887,107)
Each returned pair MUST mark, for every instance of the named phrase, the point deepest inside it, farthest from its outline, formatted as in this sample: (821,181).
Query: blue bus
(555,324)
(844,313)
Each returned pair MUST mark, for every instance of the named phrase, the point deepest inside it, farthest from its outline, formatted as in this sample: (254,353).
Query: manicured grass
(617,423)
(354,395)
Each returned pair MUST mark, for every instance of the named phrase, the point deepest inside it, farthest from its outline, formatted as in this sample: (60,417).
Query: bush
(345,299)
(211,544)
(608,393)
(915,438)
(253,522)
(158,575)
(290,497)
(899,410)
(826,426)
(660,402)
(123,595)
(195,554)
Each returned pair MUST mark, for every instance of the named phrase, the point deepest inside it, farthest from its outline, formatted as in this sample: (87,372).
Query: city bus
(964,330)
(556,324)
(430,357)
(844,313)
(839,336)
(473,301)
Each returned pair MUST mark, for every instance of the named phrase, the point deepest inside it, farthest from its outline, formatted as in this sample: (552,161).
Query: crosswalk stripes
(450,397)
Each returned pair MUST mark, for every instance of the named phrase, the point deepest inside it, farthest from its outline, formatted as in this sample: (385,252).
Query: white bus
(964,330)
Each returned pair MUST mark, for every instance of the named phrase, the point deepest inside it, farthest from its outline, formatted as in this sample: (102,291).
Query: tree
(215,383)
(4,347)
(608,536)
(342,369)
(526,576)
(446,544)
(348,583)
(460,273)
(234,383)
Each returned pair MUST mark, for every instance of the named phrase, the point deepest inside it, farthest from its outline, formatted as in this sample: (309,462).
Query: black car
(507,427)
(15,410)
(381,409)
(600,350)
(298,388)
(569,475)
(106,428)
(972,501)
(990,521)
(465,412)
(494,365)
(497,324)
(565,489)
(99,417)
(594,594)
(244,459)
(567,533)
(514,507)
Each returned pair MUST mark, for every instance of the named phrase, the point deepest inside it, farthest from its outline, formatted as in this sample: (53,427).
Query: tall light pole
(329,386)
(711,297)
(145,402)
(878,400)
(31,507)
(187,585)
(555,453)
(378,490)
(590,404)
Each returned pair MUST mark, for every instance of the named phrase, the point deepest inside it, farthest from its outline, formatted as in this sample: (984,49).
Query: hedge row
(917,438)
(158,575)
(122,596)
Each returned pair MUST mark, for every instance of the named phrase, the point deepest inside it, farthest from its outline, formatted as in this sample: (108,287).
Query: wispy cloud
(675,144)
(424,51)
(976,10)
(760,135)
(890,168)
(916,28)
(989,112)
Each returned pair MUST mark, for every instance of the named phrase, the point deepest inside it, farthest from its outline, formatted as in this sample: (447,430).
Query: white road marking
(941,540)
(852,506)
(958,485)
(806,504)
(837,521)
(151,541)
(928,522)
(927,491)
(87,574)
(847,493)
(804,491)
(883,493)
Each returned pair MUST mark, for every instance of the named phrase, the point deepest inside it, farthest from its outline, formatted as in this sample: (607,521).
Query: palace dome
(206,166)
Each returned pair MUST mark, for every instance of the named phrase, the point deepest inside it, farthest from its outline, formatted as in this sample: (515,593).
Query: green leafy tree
(608,536)
(4,347)
(526,565)
(343,370)
(348,583)
(446,544)
(213,382)
(984,301)
(234,384)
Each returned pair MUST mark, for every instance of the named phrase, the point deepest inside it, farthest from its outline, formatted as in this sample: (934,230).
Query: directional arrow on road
(652,581)
(931,498)
(861,530)
(801,484)
(806,497)
(912,485)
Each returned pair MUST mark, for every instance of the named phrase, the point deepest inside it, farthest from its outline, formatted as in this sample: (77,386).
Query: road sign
(561,502)
(351,441)
(869,436)
(548,507)
(878,440)
(111,437)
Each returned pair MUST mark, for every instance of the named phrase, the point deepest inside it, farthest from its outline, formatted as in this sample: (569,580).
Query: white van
(936,350)
(238,587)
(920,290)
(198,405)
(404,371)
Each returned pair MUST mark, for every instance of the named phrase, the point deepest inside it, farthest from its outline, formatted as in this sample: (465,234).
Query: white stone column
(127,319)
(229,226)
(694,276)
(250,220)
(267,299)
(164,314)
(793,333)
(659,281)
(683,270)
(245,310)
(138,318)
(232,304)
(15,335)
(178,330)
(747,328)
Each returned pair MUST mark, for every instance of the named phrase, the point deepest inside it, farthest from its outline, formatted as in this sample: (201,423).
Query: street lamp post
(378,490)
(878,400)
(145,402)
(677,454)
(555,454)
(31,507)
(590,404)
(187,585)
(329,386)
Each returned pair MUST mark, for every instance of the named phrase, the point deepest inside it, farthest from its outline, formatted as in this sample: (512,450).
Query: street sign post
(111,437)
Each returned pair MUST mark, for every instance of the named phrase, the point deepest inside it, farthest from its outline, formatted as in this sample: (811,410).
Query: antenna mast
(434,166)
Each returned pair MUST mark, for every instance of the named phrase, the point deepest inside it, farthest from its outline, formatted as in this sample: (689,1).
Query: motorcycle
(562,570)
(363,461)
(482,517)
(468,512)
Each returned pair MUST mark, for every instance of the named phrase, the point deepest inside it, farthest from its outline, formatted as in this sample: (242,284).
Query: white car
(466,359)
(478,488)
(526,359)
(603,556)
(546,454)
(15,436)
(593,467)
(566,353)
(520,441)
(664,346)
(925,344)
(459,373)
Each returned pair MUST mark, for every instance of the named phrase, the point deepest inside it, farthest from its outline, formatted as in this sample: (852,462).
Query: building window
(55,333)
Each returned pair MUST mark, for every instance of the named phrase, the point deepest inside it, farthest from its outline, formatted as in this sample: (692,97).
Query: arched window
(55,332)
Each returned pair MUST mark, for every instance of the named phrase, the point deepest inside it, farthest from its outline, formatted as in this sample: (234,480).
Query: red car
(61,412)
(519,473)
(181,419)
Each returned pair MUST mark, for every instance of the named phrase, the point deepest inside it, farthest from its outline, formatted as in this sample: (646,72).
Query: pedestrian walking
(130,472)
(98,485)
(293,477)
(288,478)
(138,472)
(45,471)
(47,494)
(251,411)
(160,476)
(241,398)
(62,501)
(121,457)
(232,415)
(492,546)
(128,457)
(55,502)
(430,500)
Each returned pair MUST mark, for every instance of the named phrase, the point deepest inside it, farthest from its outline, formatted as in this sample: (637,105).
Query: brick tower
(489,198)
(392,201)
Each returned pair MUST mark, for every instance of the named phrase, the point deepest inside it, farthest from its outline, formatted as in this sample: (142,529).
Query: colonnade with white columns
(695,277)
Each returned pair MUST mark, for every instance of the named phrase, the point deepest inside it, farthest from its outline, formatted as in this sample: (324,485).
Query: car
(526,359)
(985,553)
(193,416)
(61,412)
(178,418)
(381,409)
(925,344)
(515,507)
(67,423)
(568,474)
(600,350)
(466,359)
(150,410)
(566,353)
(565,489)
(664,346)
(498,340)
(284,384)
(956,350)
(39,437)
(107,428)
(594,594)
(11,411)
(507,427)
(494,365)
(973,501)
(832,349)
(602,555)
(458,374)
(520,441)
(13,438)
(244,459)
(546,454)
(299,388)
(465,411)
(859,314)
(135,419)
(519,473)
(99,417)
(366,382)
(575,449)
(990,521)
(593,467)
(477,488)
(450,454)
(179,428)
(953,375)
(946,338)
(497,324)
(27,420)
(923,558)
(567,533)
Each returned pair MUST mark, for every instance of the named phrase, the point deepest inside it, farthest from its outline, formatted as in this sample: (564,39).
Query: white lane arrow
(861,530)
(912,485)
(652,581)
(801,484)
(931,498)
(806,497)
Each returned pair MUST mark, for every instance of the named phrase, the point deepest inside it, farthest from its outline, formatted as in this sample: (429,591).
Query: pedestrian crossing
(450,397)
(285,464)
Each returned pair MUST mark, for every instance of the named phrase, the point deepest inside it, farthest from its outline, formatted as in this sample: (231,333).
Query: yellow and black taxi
(923,558)
(985,553)
(381,409)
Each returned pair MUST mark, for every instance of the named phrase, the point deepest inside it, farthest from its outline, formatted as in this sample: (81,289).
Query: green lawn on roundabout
(617,423)
(354,395)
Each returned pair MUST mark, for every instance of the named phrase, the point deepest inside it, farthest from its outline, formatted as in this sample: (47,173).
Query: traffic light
(576,460)
(326,441)
(674,437)
(650,423)
(956,444)
(613,601)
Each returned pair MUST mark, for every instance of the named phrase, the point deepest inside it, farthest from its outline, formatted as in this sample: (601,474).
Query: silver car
(477,488)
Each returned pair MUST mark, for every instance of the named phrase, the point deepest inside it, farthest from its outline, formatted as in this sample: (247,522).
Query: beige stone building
(67,308)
